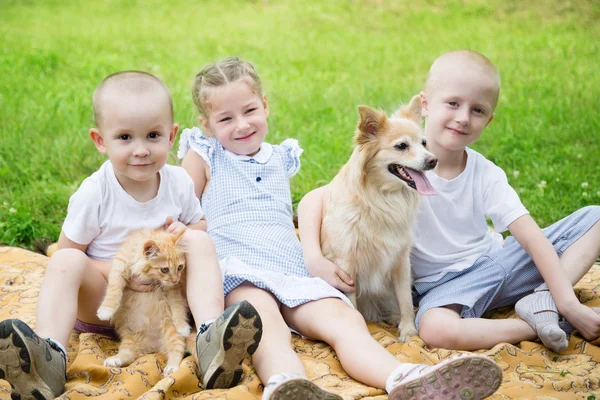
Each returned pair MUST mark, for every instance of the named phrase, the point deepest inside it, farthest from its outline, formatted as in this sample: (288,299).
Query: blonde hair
(214,75)
(466,60)
(132,81)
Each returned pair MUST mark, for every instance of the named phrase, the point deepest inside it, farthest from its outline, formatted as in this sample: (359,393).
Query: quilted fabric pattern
(531,371)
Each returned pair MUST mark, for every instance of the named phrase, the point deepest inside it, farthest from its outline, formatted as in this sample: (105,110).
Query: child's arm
(310,214)
(532,239)
(198,170)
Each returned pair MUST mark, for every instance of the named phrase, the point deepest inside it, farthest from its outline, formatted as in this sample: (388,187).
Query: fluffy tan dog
(369,210)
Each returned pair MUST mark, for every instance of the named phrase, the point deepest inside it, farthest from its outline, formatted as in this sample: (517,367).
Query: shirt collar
(263,155)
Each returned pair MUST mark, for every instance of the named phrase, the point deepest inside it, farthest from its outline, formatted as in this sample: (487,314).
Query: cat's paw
(169,369)
(184,331)
(407,331)
(113,361)
(105,313)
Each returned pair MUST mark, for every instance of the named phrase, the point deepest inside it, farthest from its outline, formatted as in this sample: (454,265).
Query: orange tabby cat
(154,321)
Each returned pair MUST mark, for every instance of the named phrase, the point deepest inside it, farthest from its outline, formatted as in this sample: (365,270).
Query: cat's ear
(151,249)
(176,236)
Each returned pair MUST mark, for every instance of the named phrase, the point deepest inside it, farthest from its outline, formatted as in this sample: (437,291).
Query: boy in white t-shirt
(461,268)
(134,189)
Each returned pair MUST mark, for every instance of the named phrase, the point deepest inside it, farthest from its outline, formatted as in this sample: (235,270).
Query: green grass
(318,60)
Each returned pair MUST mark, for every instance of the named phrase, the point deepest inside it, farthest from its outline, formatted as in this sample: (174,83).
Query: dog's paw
(113,361)
(105,313)
(169,369)
(406,332)
(184,330)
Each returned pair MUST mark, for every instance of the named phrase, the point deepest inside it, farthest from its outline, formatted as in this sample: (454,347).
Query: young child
(134,189)
(243,184)
(461,268)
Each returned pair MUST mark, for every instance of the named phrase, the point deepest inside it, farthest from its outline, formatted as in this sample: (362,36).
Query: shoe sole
(301,389)
(16,364)
(229,359)
(466,378)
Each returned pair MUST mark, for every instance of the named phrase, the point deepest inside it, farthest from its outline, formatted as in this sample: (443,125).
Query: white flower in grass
(584,185)
(12,210)
(542,185)
(516,173)
(584,194)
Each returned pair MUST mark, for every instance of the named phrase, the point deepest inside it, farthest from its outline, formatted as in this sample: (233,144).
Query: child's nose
(462,117)
(242,124)
(141,151)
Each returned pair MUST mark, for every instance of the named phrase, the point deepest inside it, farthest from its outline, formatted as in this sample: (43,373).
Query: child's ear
(98,140)
(265,105)
(370,123)
(204,124)
(173,135)
(424,104)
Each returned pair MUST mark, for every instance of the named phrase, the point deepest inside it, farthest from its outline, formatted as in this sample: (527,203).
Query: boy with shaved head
(134,189)
(461,268)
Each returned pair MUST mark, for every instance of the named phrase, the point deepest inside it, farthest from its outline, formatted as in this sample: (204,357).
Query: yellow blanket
(531,371)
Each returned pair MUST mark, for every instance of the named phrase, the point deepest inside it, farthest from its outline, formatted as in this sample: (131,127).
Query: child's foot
(224,345)
(539,311)
(295,387)
(34,367)
(469,377)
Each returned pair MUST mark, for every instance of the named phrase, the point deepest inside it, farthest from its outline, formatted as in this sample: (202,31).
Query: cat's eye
(164,270)
(180,267)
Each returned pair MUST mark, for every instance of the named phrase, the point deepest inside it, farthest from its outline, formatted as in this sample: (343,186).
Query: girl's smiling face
(237,117)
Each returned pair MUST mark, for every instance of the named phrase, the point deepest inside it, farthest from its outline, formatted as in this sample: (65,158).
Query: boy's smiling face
(458,105)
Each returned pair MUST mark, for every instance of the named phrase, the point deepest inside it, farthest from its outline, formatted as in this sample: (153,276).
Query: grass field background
(318,60)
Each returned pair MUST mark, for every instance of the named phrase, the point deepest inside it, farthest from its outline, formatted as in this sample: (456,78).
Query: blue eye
(453,103)
(478,110)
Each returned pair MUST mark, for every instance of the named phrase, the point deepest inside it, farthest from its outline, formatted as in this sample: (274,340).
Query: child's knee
(197,239)
(437,330)
(67,261)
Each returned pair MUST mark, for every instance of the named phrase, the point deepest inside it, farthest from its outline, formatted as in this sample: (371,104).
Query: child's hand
(139,284)
(585,320)
(176,228)
(330,273)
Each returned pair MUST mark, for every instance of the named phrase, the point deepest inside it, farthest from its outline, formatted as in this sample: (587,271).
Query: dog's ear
(370,123)
(412,110)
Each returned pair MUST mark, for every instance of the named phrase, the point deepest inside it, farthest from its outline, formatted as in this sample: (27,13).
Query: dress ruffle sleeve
(292,152)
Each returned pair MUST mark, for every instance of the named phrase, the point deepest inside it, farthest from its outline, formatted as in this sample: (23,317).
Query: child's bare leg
(336,323)
(343,328)
(275,354)
(443,327)
(578,258)
(539,307)
(203,276)
(73,287)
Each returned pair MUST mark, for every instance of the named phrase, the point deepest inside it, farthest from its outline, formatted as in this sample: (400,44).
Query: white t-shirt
(101,213)
(451,229)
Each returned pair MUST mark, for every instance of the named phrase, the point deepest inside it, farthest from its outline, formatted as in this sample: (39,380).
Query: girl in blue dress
(243,185)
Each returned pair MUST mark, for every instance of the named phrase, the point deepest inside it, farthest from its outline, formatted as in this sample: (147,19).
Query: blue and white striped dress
(249,215)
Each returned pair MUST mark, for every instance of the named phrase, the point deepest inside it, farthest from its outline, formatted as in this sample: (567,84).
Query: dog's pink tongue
(421,181)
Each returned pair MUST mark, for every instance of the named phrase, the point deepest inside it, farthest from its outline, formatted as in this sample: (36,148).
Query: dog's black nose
(432,162)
